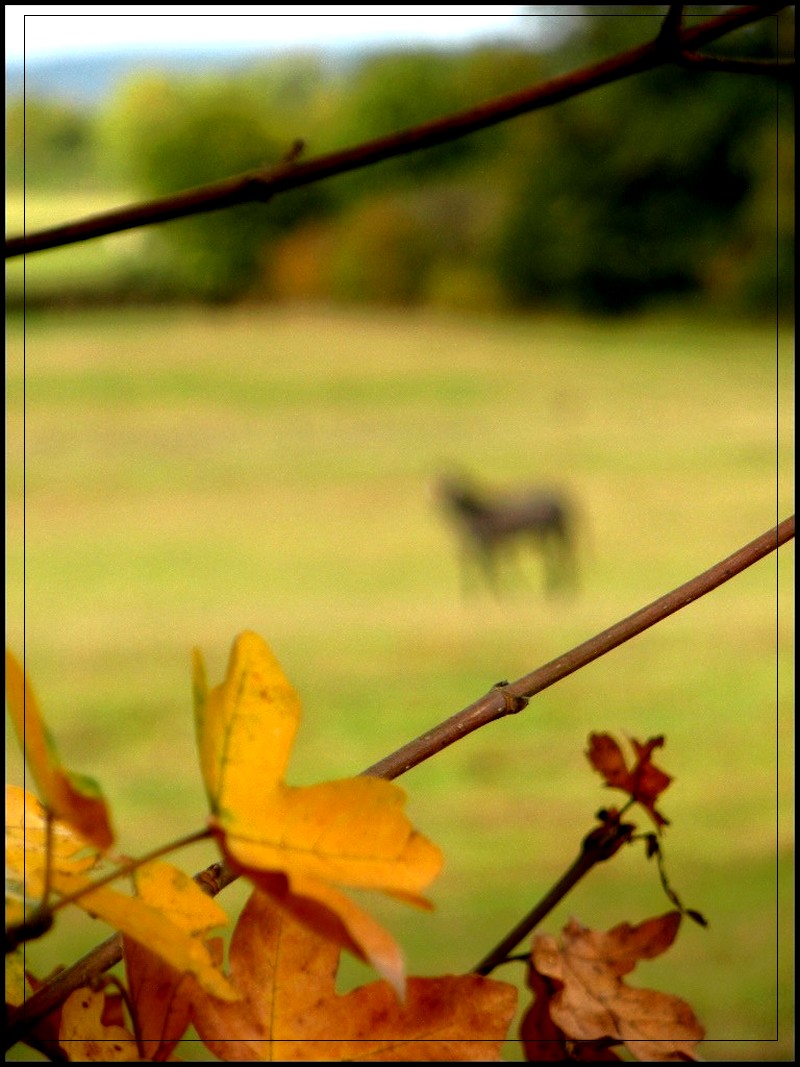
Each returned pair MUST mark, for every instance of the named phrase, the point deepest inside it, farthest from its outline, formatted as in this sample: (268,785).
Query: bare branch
(495,704)
(263,185)
(673,43)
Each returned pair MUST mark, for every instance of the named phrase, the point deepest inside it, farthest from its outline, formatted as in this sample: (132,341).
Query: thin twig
(670,40)
(782,69)
(30,928)
(20,1020)
(263,185)
(601,844)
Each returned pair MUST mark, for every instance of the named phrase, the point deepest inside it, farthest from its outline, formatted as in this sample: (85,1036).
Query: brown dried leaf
(543,1041)
(592,1002)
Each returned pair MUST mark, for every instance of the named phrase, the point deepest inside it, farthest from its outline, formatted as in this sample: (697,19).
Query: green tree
(646,191)
(164,136)
(49,143)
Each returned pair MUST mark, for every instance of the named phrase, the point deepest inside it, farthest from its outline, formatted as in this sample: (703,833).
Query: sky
(42,31)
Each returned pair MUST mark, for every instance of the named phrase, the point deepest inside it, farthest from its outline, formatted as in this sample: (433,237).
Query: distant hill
(86,80)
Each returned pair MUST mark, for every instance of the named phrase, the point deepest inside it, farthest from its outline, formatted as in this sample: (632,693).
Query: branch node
(260,182)
(512,701)
(668,41)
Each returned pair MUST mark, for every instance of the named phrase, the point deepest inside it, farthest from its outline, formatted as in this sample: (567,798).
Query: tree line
(675,185)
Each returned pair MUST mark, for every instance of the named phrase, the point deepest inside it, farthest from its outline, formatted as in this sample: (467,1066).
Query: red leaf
(644,783)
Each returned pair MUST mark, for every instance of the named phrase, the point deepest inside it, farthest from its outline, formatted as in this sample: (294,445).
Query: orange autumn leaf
(73,798)
(290,1010)
(160,1000)
(302,845)
(592,1002)
(159,994)
(644,783)
(88,1036)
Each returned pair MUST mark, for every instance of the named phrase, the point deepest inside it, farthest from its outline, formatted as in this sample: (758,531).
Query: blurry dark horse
(488,523)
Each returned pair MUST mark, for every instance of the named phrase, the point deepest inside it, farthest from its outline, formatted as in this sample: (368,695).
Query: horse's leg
(475,565)
(514,564)
(466,553)
(562,573)
(487,559)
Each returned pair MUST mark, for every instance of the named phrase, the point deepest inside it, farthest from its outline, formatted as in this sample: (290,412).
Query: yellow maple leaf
(170,910)
(71,797)
(34,842)
(87,1037)
(152,925)
(28,843)
(302,844)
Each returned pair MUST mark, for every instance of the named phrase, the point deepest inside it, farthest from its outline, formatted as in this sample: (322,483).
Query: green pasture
(175,477)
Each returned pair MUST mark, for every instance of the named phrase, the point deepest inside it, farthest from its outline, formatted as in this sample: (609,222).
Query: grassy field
(176,477)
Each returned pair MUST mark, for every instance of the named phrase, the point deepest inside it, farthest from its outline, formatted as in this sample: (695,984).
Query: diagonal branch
(264,184)
(498,702)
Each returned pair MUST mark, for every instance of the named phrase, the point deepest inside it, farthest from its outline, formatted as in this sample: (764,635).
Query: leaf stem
(133,865)
(599,845)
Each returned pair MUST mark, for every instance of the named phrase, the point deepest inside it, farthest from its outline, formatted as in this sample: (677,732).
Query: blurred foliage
(163,136)
(681,192)
(48,143)
(659,186)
